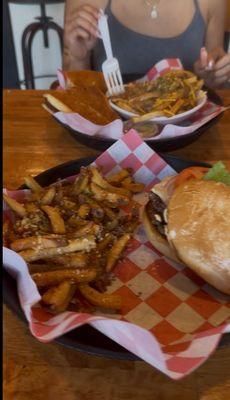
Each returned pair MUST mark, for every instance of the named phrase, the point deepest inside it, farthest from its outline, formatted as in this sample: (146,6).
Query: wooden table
(33,142)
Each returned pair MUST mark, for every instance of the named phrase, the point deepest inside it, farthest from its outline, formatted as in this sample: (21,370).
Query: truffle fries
(73,234)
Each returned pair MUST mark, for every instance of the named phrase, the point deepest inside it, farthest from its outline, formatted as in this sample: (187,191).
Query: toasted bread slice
(86,78)
(89,102)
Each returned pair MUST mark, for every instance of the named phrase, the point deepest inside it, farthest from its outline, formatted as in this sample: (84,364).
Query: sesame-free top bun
(198,217)
(156,239)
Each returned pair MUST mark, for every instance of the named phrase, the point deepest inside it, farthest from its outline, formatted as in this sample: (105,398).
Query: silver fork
(110,67)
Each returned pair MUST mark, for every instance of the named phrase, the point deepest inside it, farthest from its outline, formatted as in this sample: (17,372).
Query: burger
(187,218)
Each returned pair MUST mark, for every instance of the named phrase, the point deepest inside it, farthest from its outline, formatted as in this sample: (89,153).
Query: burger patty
(155,209)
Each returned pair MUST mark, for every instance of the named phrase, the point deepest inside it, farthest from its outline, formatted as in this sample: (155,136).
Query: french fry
(18,208)
(42,242)
(119,176)
(82,244)
(179,103)
(134,187)
(105,242)
(56,220)
(75,260)
(85,244)
(147,116)
(90,229)
(83,211)
(34,196)
(105,195)
(168,113)
(31,207)
(69,205)
(96,230)
(81,183)
(48,197)
(38,267)
(32,184)
(75,221)
(126,180)
(83,230)
(52,266)
(131,226)
(98,299)
(116,251)
(100,181)
(52,278)
(58,297)
(126,106)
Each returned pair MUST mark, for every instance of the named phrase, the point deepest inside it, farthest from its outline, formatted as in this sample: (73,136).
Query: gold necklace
(153,5)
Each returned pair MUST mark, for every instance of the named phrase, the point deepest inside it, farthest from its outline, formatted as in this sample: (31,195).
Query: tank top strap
(197,6)
(108,7)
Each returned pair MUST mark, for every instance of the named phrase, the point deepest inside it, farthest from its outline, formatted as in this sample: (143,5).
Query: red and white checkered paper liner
(114,130)
(170,318)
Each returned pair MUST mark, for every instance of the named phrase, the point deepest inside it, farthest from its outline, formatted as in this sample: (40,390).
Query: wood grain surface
(33,142)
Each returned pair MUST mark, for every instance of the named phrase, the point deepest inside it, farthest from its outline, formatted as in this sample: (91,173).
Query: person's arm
(80,32)
(217,10)
(214,68)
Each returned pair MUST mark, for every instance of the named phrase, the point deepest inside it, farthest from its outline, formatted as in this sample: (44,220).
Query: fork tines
(113,78)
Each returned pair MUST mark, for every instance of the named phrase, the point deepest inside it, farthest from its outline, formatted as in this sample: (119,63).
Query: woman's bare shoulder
(210,7)
(73,4)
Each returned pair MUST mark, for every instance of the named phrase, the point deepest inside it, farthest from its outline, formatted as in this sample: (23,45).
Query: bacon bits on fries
(73,234)
(173,93)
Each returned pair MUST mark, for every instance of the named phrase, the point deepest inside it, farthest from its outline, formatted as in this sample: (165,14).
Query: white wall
(45,61)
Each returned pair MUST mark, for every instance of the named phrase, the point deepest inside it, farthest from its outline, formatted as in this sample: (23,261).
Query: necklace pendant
(154,13)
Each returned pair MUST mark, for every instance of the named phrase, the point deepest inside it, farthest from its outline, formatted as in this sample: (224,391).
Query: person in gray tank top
(144,32)
(138,52)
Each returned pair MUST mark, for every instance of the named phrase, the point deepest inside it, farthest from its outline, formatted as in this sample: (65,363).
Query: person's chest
(173,16)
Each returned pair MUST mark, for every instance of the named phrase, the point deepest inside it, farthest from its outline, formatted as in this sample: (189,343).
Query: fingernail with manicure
(210,65)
